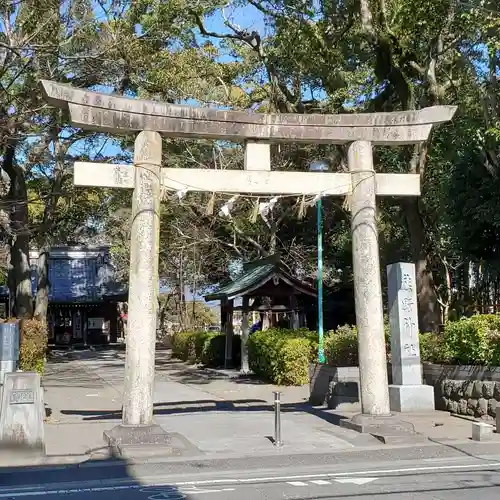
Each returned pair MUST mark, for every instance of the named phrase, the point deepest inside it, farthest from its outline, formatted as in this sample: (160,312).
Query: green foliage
(33,345)
(469,341)
(474,340)
(282,356)
(341,346)
(433,348)
(184,345)
(214,350)
(207,348)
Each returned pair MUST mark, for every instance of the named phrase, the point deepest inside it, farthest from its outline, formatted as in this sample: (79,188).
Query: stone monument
(22,413)
(9,348)
(121,115)
(407,393)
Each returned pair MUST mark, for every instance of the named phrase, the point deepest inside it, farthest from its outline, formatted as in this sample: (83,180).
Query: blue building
(84,296)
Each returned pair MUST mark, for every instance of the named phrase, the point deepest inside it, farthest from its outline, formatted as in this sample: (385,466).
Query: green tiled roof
(256,274)
(247,280)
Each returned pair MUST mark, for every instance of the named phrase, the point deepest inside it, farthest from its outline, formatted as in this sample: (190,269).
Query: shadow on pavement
(96,480)
(212,405)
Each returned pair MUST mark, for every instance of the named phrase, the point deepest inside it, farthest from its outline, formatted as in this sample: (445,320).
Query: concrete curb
(102,458)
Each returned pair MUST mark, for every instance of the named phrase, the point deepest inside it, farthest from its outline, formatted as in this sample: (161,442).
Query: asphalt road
(420,480)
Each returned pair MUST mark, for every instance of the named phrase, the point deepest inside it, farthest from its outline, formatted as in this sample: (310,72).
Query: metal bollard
(277,419)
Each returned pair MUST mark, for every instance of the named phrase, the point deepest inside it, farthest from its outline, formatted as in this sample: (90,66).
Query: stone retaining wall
(465,390)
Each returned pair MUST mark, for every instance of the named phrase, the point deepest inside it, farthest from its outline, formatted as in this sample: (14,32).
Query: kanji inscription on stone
(403,319)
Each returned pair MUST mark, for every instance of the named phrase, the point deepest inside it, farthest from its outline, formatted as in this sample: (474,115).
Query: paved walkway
(221,416)
(217,414)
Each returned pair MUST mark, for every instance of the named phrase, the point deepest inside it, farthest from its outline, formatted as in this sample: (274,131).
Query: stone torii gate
(120,115)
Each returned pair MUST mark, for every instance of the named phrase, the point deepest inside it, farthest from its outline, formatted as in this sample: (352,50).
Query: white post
(143,286)
(228,362)
(245,367)
(367,285)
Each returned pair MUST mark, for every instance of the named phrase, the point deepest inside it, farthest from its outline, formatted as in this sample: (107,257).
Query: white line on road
(38,493)
(169,493)
(36,490)
(300,477)
(356,480)
(200,492)
(346,480)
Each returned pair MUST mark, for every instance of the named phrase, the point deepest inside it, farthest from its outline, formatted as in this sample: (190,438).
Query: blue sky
(246,17)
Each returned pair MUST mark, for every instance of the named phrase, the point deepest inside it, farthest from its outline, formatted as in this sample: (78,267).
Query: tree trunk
(19,241)
(428,307)
(44,238)
(42,293)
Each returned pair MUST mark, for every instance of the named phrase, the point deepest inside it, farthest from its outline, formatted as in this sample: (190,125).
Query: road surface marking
(356,480)
(36,490)
(333,475)
(322,482)
(166,493)
(39,493)
(200,492)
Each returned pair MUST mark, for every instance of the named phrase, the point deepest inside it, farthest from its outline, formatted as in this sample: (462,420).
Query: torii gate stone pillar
(120,115)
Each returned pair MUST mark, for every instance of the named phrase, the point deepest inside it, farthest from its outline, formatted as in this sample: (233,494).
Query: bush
(282,356)
(33,345)
(208,348)
(341,347)
(433,348)
(473,340)
(214,350)
(184,345)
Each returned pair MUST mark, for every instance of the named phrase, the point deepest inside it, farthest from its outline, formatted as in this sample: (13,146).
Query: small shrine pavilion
(267,288)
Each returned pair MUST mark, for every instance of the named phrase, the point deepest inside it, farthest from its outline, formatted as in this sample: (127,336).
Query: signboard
(22,396)
(95,323)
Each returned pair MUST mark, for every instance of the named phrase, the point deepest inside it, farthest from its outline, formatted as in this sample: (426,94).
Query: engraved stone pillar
(367,286)
(143,286)
(408,393)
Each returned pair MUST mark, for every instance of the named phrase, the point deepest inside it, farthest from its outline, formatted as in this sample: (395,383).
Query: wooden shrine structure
(267,287)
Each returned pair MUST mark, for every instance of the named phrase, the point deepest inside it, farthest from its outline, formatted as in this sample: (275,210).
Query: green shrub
(208,348)
(282,356)
(294,356)
(184,345)
(474,340)
(341,346)
(214,350)
(33,345)
(433,348)
(467,341)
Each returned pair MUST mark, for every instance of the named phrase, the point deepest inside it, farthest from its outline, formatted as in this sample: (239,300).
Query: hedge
(208,348)
(282,356)
(278,355)
(33,349)
(468,341)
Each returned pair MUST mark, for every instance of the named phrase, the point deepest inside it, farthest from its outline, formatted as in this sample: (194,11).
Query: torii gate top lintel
(116,114)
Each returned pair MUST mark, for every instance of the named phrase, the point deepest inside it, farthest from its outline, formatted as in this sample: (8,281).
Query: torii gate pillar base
(140,441)
(388,429)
